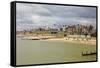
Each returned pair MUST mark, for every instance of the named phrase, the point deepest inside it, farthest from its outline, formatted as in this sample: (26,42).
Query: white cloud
(36,15)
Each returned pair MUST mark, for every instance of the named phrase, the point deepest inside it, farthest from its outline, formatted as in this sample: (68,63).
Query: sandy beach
(89,42)
(86,41)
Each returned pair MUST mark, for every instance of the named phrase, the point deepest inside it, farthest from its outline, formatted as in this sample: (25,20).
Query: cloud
(37,15)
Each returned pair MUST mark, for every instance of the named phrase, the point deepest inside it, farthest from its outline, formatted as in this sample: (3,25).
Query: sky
(31,16)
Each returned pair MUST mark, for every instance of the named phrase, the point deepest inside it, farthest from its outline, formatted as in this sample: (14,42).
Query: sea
(51,51)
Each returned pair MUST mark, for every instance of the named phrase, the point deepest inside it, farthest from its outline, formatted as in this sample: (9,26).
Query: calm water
(43,51)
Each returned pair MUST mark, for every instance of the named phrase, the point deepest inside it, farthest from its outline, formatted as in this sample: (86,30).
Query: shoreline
(87,41)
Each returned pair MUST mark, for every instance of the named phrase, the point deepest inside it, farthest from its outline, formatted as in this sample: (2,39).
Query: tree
(90,28)
(93,34)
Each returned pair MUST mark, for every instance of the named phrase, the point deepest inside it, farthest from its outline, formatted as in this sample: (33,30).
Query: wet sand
(79,41)
(90,41)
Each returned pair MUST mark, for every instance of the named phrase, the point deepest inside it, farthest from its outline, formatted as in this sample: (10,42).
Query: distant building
(54,31)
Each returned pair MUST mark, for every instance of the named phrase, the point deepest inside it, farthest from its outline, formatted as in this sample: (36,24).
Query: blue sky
(40,15)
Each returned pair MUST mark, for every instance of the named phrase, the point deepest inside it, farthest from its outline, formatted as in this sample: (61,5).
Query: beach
(78,40)
(92,42)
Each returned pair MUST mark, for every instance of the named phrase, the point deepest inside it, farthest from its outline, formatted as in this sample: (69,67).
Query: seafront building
(62,31)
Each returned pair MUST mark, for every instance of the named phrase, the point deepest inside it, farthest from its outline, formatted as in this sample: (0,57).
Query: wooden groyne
(87,53)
